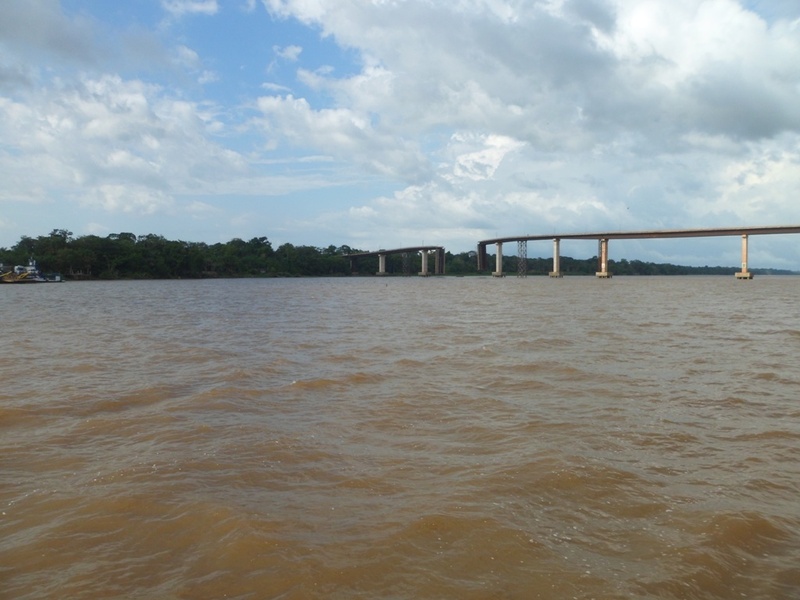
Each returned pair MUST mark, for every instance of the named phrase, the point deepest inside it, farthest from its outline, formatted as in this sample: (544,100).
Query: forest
(127,256)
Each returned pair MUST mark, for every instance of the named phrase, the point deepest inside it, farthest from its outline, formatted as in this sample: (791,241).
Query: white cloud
(482,163)
(33,29)
(639,91)
(344,134)
(715,67)
(565,78)
(179,8)
(290,53)
(758,188)
(121,145)
(274,87)
(187,58)
(127,199)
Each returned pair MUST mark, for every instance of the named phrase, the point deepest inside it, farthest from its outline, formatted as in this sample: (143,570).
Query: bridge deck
(605,237)
(655,233)
(395,251)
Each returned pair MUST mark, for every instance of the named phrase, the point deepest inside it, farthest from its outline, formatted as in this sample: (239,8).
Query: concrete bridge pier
(424,271)
(381,264)
(498,269)
(603,259)
(744,273)
(556,272)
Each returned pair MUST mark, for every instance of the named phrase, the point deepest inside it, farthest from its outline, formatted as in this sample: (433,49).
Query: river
(401,438)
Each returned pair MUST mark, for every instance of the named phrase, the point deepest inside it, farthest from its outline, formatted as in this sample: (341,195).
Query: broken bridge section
(603,243)
(425,252)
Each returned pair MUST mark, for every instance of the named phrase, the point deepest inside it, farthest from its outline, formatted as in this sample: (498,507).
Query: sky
(393,123)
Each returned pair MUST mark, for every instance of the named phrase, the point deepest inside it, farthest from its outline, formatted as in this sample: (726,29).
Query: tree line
(127,256)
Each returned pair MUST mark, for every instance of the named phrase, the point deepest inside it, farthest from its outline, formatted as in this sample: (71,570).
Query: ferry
(27,274)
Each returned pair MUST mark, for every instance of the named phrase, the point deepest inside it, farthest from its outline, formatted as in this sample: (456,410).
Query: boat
(29,273)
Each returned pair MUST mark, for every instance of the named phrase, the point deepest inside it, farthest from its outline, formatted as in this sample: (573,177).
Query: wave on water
(462,438)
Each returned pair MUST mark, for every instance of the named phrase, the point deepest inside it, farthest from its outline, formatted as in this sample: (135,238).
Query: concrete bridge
(603,239)
(424,251)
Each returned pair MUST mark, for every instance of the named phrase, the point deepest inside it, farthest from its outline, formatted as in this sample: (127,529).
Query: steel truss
(522,258)
(406,263)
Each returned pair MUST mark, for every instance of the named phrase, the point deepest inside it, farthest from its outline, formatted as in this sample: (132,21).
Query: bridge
(604,237)
(424,251)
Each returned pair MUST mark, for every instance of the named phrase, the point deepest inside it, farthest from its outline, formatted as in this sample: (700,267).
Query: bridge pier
(603,259)
(744,273)
(498,269)
(556,272)
(381,264)
(424,271)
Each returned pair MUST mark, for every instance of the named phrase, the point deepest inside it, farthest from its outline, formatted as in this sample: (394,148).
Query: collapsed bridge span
(424,251)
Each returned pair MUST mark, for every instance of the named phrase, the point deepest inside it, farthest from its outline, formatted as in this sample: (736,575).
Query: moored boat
(25,274)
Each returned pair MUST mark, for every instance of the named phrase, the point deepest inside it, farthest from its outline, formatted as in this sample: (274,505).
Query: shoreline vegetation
(127,256)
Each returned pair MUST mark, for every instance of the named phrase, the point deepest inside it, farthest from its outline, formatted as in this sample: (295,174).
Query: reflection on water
(401,438)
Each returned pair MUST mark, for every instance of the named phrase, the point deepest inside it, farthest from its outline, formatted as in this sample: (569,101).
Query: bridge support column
(381,264)
(603,259)
(556,272)
(498,269)
(424,272)
(438,268)
(744,274)
(482,258)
